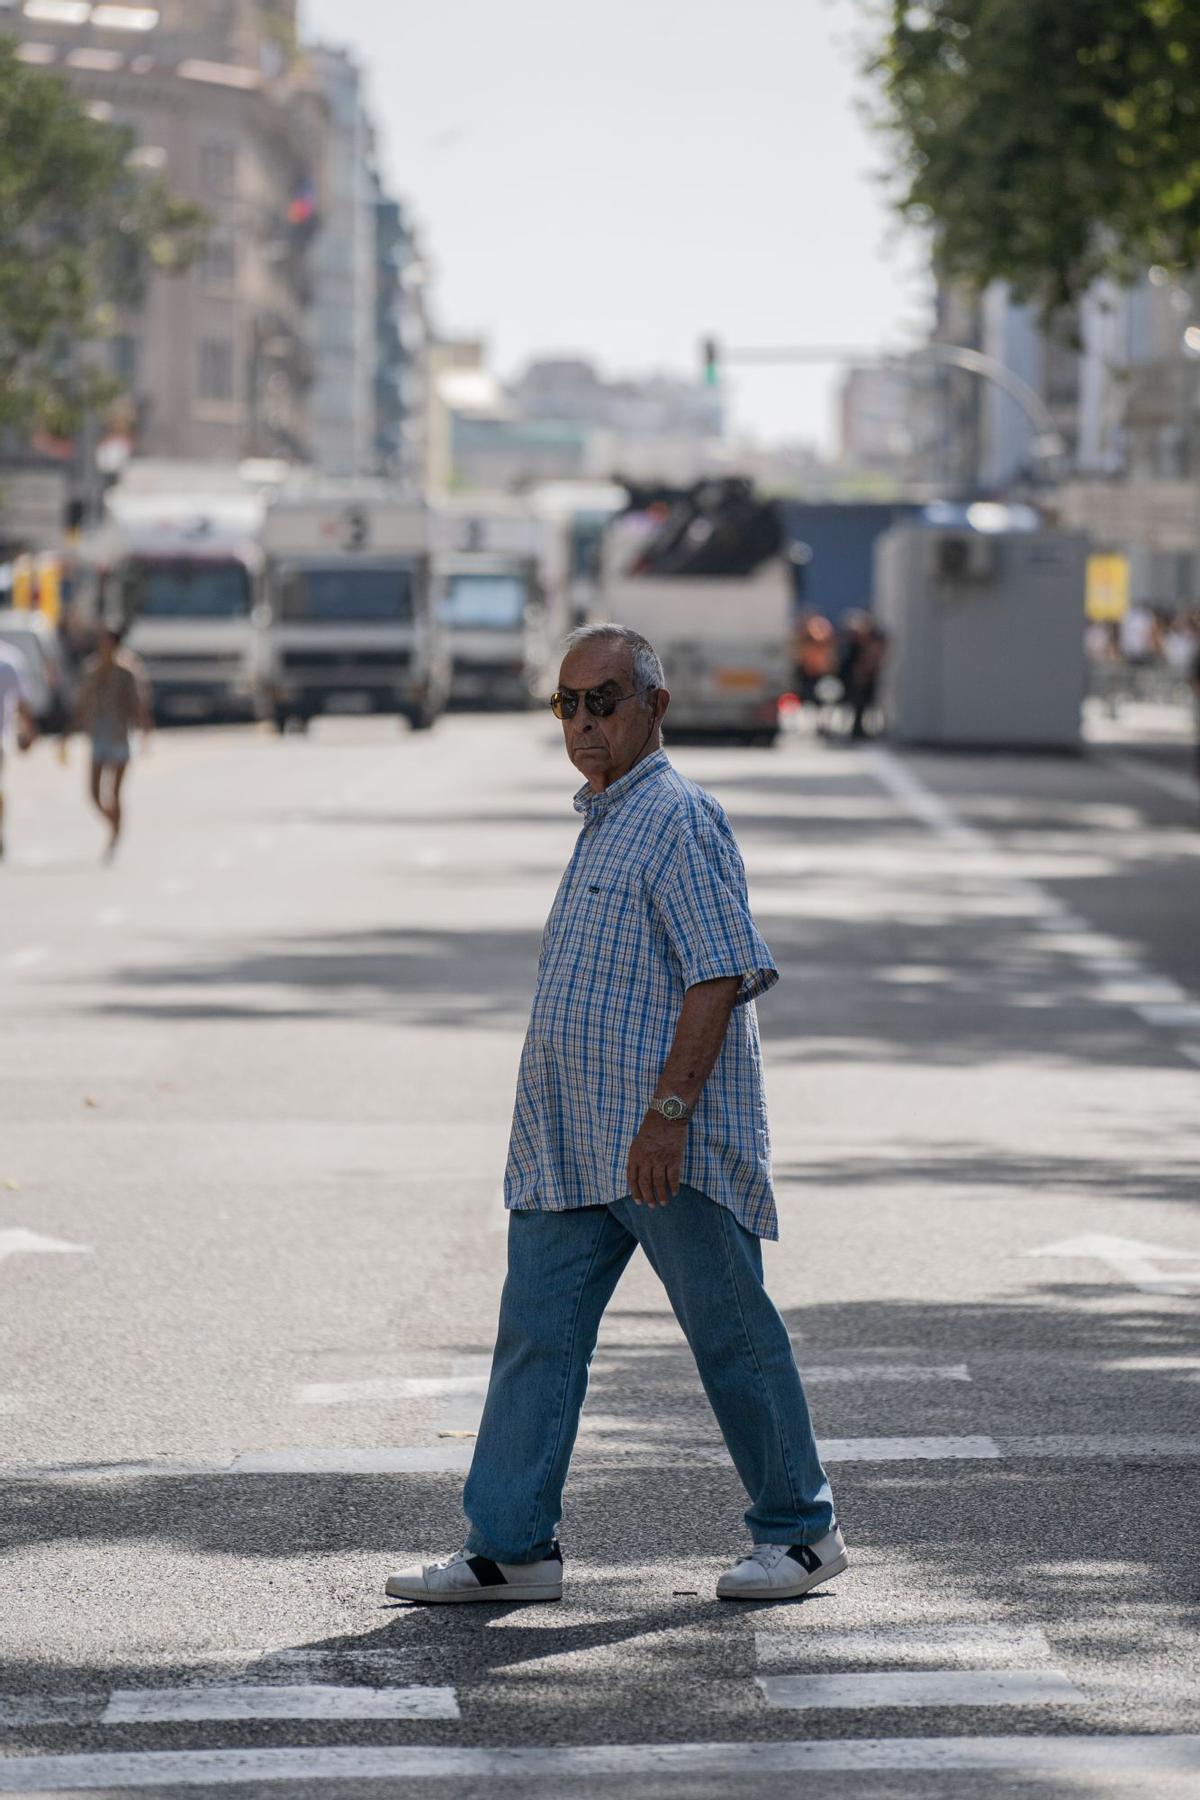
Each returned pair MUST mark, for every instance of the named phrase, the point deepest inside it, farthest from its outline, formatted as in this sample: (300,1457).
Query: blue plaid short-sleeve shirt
(653,900)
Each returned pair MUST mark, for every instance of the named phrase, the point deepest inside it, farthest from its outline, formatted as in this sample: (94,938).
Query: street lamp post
(1047,444)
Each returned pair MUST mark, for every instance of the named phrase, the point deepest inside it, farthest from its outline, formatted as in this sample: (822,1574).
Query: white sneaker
(783,1571)
(466,1577)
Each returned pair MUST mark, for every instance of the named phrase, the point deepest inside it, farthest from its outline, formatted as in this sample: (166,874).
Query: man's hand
(656,1160)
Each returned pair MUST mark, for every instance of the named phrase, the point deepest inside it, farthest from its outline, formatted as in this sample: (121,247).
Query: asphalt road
(255,1081)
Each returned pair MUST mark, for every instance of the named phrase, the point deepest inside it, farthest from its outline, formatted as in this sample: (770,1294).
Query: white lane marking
(17,1241)
(156,1706)
(823,1372)
(924,804)
(1149,1365)
(27,958)
(1180,787)
(1065,930)
(462,1408)
(1172,1017)
(451,1457)
(390,1387)
(441,1459)
(920,1687)
(978,1646)
(909,1449)
(1147,993)
(119,1771)
(1130,1259)
(111,915)
(429,859)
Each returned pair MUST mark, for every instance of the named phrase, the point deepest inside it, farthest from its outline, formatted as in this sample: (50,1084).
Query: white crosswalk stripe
(452,1456)
(919,1687)
(147,1706)
(123,1771)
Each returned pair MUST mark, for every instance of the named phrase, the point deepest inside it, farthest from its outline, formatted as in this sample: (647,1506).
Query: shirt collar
(594,806)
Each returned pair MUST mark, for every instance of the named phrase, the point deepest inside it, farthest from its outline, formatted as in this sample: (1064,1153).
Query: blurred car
(36,640)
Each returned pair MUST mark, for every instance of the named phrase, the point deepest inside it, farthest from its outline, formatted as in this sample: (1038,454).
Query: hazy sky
(620,179)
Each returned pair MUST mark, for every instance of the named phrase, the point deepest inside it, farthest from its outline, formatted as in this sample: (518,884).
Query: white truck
(724,639)
(501,572)
(351,615)
(177,561)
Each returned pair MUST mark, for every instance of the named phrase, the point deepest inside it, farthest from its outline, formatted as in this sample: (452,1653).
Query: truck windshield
(347,596)
(184,588)
(484,603)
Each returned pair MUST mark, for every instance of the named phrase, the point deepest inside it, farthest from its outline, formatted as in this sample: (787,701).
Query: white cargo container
(352,617)
(985,636)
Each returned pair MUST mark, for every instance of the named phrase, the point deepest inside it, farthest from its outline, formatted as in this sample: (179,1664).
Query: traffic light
(710,354)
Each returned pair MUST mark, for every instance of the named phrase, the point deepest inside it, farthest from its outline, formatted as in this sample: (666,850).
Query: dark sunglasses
(600,702)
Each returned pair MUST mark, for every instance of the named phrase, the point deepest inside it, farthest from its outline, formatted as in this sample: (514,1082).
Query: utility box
(985,636)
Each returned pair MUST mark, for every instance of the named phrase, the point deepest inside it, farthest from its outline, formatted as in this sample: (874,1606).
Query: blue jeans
(563,1268)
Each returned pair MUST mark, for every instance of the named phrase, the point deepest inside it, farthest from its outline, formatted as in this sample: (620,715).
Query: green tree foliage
(81,229)
(1048,141)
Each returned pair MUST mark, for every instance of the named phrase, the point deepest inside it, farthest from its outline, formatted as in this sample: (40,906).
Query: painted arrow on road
(1132,1260)
(16,1241)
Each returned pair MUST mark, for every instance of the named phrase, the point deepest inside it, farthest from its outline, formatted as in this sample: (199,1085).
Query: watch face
(672,1108)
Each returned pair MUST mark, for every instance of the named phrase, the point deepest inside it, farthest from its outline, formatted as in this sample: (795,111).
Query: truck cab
(501,589)
(351,620)
(181,572)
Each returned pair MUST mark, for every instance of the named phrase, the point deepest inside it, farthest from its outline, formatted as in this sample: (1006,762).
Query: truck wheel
(422,719)
(279,719)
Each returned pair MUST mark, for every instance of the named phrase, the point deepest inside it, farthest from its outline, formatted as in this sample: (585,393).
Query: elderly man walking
(639,1119)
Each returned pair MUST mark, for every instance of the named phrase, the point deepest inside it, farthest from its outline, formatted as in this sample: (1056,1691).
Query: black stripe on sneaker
(555,1554)
(806,1556)
(486,1572)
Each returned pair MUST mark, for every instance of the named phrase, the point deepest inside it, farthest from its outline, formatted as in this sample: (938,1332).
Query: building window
(218,269)
(218,169)
(216,369)
(125,360)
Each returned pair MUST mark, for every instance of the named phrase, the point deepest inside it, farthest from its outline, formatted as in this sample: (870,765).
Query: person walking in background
(640,1119)
(859,666)
(814,655)
(113,699)
(16,704)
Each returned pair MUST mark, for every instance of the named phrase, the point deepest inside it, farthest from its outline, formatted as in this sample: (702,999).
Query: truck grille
(359,664)
(182,662)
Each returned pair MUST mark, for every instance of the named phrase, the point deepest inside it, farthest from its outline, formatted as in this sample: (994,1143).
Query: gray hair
(647,664)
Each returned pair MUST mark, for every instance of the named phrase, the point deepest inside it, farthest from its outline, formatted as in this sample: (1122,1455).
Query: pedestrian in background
(814,655)
(864,646)
(113,699)
(16,708)
(639,1119)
